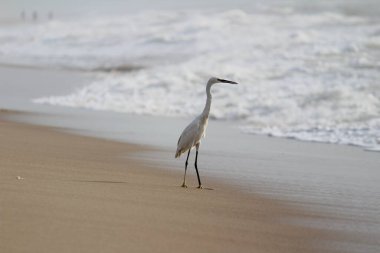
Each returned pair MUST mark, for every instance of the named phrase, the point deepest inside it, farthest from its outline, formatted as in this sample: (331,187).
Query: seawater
(309,72)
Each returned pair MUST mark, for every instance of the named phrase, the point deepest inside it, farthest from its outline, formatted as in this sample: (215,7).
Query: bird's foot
(184,185)
(200,187)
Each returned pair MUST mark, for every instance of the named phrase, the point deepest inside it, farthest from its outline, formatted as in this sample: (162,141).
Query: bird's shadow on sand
(123,182)
(207,188)
(196,188)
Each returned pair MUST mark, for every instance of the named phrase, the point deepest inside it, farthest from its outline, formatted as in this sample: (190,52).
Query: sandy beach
(63,192)
(68,193)
(93,100)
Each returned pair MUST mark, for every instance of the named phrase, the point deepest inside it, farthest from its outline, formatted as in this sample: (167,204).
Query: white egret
(191,136)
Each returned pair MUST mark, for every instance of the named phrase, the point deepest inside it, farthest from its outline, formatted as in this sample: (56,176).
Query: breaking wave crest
(312,77)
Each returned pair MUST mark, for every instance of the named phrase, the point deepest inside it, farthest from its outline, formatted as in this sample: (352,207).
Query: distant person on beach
(34,16)
(50,15)
(22,15)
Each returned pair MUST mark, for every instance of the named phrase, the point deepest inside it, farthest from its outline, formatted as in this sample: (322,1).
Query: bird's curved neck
(206,110)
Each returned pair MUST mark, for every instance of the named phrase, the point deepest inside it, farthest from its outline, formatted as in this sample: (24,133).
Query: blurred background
(308,70)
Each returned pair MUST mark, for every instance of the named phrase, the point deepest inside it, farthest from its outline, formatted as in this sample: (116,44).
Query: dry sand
(67,193)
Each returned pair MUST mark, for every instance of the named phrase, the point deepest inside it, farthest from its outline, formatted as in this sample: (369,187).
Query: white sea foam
(311,76)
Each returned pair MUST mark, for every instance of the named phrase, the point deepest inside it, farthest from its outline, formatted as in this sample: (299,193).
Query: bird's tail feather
(178,153)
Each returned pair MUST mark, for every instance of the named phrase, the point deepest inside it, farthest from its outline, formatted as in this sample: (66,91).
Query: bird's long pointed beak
(226,81)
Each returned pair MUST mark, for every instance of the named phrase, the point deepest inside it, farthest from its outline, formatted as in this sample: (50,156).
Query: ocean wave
(305,76)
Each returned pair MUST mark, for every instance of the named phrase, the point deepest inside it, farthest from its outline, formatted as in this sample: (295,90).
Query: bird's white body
(193,133)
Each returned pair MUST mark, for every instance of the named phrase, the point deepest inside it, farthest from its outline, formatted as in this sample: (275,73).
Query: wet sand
(68,193)
(63,192)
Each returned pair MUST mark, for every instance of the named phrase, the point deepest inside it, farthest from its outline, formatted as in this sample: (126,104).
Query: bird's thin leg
(184,176)
(196,168)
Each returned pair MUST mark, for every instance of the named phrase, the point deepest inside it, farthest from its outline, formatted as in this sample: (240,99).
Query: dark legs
(184,177)
(196,168)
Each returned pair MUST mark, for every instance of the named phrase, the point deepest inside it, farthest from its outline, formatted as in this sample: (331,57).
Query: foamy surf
(311,77)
